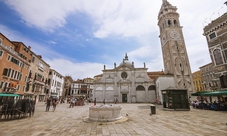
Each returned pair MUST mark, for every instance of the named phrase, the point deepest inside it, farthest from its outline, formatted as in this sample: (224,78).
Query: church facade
(124,83)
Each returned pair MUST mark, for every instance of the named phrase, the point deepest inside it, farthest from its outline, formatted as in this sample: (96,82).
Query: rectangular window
(20,76)
(12,74)
(1,85)
(18,87)
(15,75)
(1,53)
(8,58)
(212,36)
(23,88)
(33,59)
(25,79)
(5,72)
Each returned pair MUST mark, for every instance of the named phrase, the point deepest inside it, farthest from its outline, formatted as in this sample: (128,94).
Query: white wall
(163,83)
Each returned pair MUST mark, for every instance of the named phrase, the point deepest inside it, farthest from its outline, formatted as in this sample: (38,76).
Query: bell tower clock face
(174,34)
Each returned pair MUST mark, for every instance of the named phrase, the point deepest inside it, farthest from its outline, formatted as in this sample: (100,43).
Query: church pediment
(124,67)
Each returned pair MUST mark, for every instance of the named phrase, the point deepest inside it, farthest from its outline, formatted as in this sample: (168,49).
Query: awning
(217,93)
(12,95)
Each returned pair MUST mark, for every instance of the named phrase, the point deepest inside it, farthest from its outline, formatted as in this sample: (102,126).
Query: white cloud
(57,61)
(128,18)
(75,70)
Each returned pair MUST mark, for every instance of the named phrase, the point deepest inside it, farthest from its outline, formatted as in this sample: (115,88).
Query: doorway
(124,97)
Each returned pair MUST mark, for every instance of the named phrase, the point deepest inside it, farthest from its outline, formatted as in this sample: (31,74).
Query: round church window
(124,75)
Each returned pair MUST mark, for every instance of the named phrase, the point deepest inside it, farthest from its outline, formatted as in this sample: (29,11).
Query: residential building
(67,86)
(14,60)
(216,36)
(198,81)
(56,84)
(209,80)
(37,80)
(89,82)
(82,87)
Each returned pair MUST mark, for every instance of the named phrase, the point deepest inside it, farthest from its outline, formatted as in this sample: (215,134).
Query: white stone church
(129,84)
(125,83)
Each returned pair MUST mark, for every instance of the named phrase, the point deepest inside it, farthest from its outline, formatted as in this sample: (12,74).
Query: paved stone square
(65,121)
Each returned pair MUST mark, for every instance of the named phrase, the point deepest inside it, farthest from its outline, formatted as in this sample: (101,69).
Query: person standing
(104,101)
(48,104)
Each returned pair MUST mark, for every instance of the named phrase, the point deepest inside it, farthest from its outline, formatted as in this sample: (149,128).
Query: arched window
(175,23)
(223,80)
(140,88)
(217,57)
(152,87)
(169,23)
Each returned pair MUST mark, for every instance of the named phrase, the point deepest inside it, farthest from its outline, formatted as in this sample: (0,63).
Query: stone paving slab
(65,121)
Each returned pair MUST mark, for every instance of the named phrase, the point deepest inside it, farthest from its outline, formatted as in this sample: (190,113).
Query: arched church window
(140,88)
(175,22)
(169,23)
(217,57)
(152,87)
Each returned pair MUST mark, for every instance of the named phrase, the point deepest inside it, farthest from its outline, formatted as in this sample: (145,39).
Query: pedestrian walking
(54,102)
(104,101)
(48,104)
(71,103)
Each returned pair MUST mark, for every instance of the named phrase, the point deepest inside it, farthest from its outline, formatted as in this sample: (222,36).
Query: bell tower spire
(174,51)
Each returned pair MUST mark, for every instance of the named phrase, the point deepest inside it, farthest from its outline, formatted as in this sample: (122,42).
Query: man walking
(48,104)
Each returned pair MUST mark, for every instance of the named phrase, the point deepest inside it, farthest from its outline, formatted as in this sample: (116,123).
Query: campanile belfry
(174,51)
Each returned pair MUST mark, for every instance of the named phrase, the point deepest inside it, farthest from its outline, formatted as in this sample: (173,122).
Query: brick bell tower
(174,51)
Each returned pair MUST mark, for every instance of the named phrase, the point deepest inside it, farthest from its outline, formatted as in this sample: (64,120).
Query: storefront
(53,95)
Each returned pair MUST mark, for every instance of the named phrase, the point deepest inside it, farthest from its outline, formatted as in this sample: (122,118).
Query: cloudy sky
(79,37)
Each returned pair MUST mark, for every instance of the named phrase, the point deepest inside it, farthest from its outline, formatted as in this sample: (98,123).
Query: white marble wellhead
(105,113)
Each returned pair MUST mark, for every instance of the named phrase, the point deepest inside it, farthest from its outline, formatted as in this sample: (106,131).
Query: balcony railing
(36,81)
(30,79)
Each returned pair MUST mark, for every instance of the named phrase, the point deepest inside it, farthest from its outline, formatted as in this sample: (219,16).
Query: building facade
(198,81)
(124,83)
(216,36)
(209,80)
(82,87)
(14,66)
(55,84)
(89,82)
(174,51)
(67,86)
(37,80)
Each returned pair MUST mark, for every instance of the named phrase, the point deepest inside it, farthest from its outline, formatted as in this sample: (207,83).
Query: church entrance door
(124,97)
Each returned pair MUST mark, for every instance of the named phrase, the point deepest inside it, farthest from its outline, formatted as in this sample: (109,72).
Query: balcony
(36,81)
(30,79)
(41,68)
